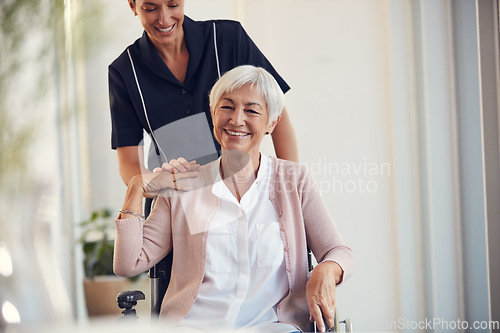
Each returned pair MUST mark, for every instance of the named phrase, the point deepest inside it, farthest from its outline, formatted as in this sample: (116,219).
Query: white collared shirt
(245,276)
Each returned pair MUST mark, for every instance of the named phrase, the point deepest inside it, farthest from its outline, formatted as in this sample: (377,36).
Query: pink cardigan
(181,220)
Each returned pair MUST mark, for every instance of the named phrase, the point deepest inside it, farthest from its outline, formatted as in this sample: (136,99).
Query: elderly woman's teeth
(236,133)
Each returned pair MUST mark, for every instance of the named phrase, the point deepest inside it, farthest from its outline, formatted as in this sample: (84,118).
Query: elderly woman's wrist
(333,269)
(338,273)
(134,196)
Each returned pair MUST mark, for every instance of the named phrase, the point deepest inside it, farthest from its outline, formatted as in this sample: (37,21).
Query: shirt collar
(152,59)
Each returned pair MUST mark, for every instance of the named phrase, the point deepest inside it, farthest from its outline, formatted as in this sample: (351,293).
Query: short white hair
(258,78)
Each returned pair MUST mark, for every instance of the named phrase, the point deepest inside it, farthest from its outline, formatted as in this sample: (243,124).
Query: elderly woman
(240,226)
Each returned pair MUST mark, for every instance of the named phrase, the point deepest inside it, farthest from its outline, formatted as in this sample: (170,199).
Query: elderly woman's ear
(271,127)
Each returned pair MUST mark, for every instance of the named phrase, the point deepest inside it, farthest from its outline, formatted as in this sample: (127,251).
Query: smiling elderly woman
(239,227)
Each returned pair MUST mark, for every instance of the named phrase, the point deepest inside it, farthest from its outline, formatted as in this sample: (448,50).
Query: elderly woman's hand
(153,184)
(178,165)
(320,292)
(149,185)
(167,176)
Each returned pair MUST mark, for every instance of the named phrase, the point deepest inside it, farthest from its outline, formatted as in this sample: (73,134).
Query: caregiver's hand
(320,292)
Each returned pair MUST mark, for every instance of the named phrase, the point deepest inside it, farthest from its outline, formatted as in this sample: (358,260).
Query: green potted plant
(97,244)
(101,285)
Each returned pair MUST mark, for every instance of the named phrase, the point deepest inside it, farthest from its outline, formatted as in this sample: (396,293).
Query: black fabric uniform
(168,100)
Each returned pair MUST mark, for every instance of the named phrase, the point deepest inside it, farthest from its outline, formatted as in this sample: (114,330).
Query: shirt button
(288,269)
(282,228)
(286,249)
(280,213)
(188,110)
(184,91)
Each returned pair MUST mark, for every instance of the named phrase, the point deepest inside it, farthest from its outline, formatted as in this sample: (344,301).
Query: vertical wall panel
(488,14)
(440,221)
(471,160)
(406,161)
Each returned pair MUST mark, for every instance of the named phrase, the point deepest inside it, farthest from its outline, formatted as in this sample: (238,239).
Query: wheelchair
(160,278)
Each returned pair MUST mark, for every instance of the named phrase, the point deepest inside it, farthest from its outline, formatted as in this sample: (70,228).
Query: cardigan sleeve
(139,246)
(323,236)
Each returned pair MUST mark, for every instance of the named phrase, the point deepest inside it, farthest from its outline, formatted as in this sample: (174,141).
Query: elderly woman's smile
(236,133)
